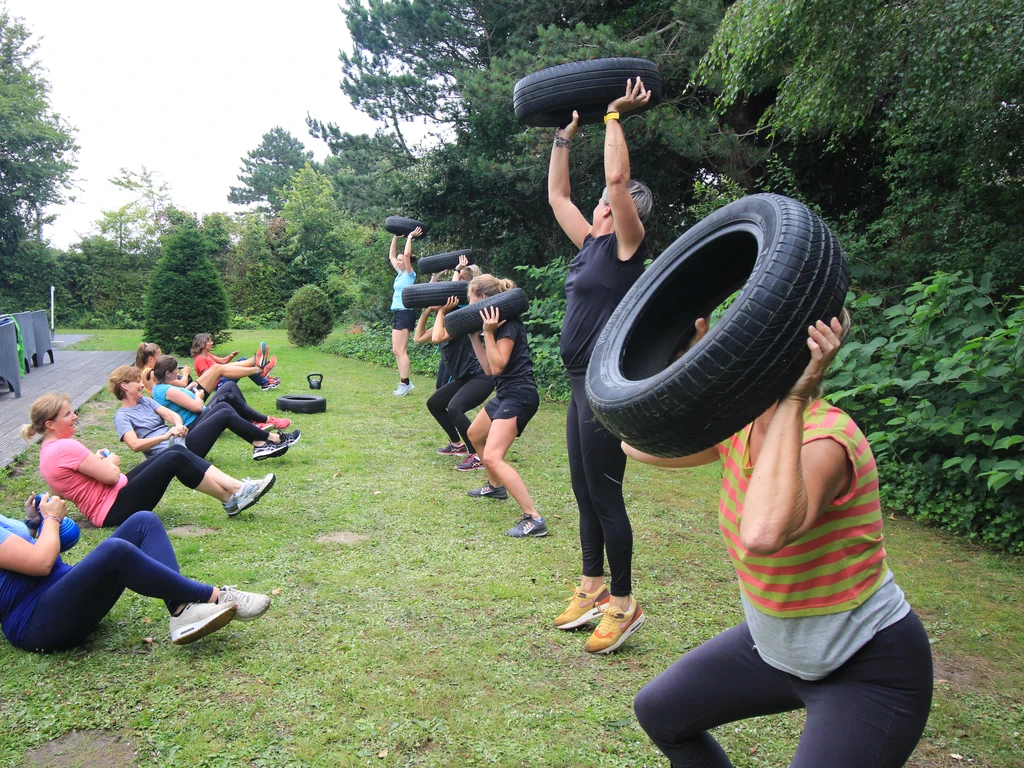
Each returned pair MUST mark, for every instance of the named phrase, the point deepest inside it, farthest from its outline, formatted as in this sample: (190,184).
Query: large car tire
(668,402)
(467,320)
(425,295)
(547,98)
(400,225)
(440,262)
(302,403)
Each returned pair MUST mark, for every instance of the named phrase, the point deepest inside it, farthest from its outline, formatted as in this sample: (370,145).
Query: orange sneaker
(615,628)
(583,607)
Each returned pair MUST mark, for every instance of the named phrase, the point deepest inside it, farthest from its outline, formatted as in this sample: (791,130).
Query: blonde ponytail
(45,408)
(488,285)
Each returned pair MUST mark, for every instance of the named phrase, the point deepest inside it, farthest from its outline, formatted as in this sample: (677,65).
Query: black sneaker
(528,526)
(290,437)
(489,491)
(269,449)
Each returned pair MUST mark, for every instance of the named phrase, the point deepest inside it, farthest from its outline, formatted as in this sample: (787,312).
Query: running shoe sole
(585,618)
(625,636)
(256,498)
(192,632)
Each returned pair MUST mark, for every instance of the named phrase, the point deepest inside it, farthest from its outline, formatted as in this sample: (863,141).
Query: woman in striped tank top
(826,627)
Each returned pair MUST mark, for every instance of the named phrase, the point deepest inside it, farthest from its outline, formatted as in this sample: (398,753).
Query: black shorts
(519,404)
(405,320)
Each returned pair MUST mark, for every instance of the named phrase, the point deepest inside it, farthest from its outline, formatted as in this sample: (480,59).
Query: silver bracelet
(561,141)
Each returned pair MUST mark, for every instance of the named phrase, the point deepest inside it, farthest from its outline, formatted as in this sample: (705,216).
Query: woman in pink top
(95,484)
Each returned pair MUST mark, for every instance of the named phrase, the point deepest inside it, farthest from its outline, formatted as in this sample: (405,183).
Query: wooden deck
(80,374)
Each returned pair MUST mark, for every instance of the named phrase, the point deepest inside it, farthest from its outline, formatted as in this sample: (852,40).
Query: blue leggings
(137,556)
(869,713)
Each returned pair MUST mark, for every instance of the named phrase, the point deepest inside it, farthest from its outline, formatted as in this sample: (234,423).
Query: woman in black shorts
(506,356)
(405,319)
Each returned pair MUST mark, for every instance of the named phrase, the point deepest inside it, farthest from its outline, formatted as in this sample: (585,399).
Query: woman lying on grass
(48,605)
(95,484)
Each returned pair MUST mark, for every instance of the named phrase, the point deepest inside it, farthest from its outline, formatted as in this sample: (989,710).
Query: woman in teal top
(405,319)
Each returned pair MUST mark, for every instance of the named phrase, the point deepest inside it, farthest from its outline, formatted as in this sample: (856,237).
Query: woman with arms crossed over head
(405,319)
(505,356)
(47,605)
(611,258)
(826,628)
(94,483)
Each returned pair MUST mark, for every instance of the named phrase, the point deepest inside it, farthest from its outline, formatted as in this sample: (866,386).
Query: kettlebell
(315,379)
(69,532)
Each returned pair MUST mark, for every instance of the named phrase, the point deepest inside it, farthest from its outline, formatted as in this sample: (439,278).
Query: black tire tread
(403,225)
(439,262)
(423,295)
(511,304)
(302,403)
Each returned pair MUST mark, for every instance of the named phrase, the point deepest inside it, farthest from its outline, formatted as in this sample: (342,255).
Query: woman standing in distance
(405,319)
(611,258)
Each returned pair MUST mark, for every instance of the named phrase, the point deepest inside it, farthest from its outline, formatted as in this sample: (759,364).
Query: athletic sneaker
(404,389)
(250,492)
(279,423)
(583,607)
(198,620)
(273,382)
(489,491)
(249,605)
(269,449)
(528,526)
(615,628)
(292,437)
(471,462)
(268,366)
(263,424)
(262,354)
(453,449)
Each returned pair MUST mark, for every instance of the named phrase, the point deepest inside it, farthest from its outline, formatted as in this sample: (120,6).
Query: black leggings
(137,556)
(449,404)
(149,480)
(211,424)
(869,712)
(229,392)
(596,467)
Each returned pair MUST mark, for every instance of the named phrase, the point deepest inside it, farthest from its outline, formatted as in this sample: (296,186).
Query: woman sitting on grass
(506,356)
(95,484)
(141,423)
(215,371)
(47,605)
(147,354)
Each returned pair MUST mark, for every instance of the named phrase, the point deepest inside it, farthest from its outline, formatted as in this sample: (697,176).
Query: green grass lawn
(426,641)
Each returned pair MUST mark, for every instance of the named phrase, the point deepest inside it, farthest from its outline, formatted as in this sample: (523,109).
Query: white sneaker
(199,620)
(250,605)
(250,492)
(404,389)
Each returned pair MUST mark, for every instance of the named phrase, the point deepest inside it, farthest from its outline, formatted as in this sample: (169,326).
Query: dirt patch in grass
(83,748)
(929,756)
(97,413)
(190,530)
(965,672)
(341,537)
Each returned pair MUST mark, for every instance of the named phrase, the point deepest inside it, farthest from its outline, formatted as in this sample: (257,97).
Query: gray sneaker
(198,620)
(488,490)
(268,449)
(404,389)
(250,492)
(250,605)
(528,526)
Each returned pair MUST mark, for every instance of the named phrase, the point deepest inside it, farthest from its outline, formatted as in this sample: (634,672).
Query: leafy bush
(938,393)
(372,344)
(185,295)
(264,321)
(308,316)
(546,288)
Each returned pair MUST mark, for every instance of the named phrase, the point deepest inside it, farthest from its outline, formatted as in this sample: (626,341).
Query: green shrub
(938,392)
(372,344)
(185,295)
(309,317)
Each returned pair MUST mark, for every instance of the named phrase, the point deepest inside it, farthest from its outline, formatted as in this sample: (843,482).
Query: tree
(268,168)
(136,226)
(313,228)
(253,272)
(37,154)
(186,295)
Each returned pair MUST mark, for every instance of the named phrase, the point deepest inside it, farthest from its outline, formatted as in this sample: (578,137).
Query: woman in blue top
(405,319)
(48,605)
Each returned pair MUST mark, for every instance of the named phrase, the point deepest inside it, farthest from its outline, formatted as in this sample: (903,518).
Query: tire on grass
(510,304)
(423,295)
(440,262)
(400,225)
(302,403)
(547,98)
(651,391)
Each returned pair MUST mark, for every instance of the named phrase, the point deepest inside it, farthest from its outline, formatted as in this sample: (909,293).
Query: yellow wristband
(611,116)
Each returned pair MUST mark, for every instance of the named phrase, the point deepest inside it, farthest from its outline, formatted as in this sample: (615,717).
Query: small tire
(302,403)
(510,304)
(400,225)
(440,262)
(649,390)
(547,98)
(423,295)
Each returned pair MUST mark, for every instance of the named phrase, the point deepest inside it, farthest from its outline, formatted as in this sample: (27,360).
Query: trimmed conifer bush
(185,295)
(308,316)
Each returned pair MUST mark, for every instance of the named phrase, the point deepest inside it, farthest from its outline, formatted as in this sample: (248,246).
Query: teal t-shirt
(402,279)
(160,395)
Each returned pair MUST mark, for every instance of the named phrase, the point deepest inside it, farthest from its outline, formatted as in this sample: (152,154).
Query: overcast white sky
(184,88)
